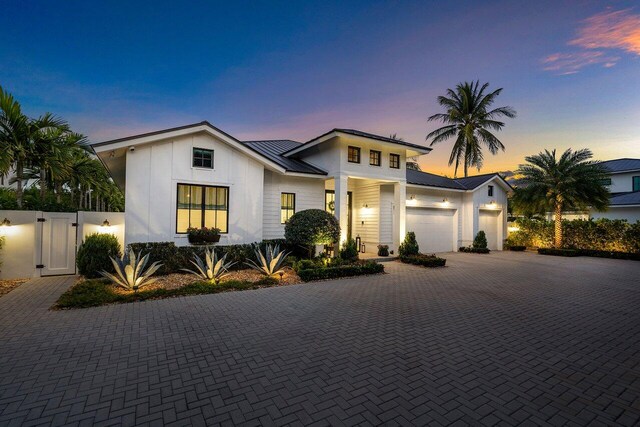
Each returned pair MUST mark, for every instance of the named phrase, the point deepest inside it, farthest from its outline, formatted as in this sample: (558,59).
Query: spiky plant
(271,262)
(211,269)
(131,271)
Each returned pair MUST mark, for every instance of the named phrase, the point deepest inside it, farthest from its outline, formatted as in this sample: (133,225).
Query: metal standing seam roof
(273,149)
(621,165)
(632,198)
(381,138)
(431,180)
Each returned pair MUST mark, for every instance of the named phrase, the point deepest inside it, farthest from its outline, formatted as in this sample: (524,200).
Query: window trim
(193,158)
(359,151)
(490,190)
(201,204)
(394,156)
(633,182)
(371,153)
(293,209)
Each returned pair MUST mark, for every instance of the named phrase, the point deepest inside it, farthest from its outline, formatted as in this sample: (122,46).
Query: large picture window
(202,206)
(202,158)
(287,206)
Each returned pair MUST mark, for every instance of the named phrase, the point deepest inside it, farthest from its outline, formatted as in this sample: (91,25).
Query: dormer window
(394,161)
(490,191)
(202,158)
(354,155)
(374,158)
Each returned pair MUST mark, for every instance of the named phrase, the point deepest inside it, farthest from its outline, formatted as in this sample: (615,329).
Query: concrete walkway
(505,338)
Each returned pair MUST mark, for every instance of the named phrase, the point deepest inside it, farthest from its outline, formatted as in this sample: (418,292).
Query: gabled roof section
(621,165)
(273,150)
(419,149)
(625,199)
(466,184)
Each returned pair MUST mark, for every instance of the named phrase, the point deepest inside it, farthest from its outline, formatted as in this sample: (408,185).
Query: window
(354,155)
(202,158)
(394,161)
(202,206)
(490,192)
(606,181)
(636,183)
(374,158)
(287,206)
(330,201)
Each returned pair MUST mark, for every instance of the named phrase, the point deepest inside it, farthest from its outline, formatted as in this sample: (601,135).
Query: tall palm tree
(470,120)
(571,182)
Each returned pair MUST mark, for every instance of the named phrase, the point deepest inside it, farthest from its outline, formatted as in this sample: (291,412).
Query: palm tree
(571,182)
(470,120)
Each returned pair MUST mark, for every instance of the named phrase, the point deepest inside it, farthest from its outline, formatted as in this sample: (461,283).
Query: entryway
(58,251)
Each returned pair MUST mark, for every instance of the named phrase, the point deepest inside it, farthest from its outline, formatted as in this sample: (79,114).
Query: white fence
(45,243)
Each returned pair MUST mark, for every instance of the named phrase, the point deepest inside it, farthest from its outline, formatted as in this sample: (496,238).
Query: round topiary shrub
(312,227)
(94,254)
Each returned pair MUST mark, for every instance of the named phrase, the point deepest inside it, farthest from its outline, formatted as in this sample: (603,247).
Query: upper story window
(202,206)
(490,191)
(394,161)
(636,183)
(354,155)
(374,158)
(606,181)
(202,158)
(287,206)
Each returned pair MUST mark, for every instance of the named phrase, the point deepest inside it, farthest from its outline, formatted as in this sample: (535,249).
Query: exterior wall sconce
(365,206)
(106,223)
(412,197)
(5,222)
(445,200)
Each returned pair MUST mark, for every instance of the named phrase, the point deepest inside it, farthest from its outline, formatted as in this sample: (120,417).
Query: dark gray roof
(431,180)
(381,138)
(621,199)
(273,149)
(621,165)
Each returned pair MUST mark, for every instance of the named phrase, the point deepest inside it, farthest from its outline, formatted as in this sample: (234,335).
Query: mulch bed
(7,286)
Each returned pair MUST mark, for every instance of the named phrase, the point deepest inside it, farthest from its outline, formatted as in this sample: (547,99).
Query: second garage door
(433,228)
(488,222)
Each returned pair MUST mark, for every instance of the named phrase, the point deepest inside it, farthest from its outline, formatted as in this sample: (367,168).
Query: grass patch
(97,292)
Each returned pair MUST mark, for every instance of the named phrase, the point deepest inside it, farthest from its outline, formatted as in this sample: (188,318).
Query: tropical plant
(572,182)
(409,246)
(95,253)
(270,263)
(480,241)
(312,227)
(211,269)
(469,118)
(131,271)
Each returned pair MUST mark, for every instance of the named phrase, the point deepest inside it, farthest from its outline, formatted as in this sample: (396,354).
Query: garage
(488,222)
(434,228)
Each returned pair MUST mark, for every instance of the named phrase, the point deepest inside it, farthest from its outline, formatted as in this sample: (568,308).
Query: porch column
(341,205)
(399,213)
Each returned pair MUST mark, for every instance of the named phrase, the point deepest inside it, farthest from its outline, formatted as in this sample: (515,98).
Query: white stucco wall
(18,255)
(154,172)
(91,222)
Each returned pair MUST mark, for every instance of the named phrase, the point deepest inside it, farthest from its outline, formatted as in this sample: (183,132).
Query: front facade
(198,175)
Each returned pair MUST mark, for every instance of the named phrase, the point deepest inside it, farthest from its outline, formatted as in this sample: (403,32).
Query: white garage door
(488,222)
(433,228)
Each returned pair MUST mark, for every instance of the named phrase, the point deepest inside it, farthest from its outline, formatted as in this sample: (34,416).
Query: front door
(330,206)
(58,243)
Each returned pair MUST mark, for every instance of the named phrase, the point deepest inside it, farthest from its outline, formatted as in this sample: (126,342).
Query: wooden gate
(58,255)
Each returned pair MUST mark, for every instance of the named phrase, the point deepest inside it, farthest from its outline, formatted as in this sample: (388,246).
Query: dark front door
(329,206)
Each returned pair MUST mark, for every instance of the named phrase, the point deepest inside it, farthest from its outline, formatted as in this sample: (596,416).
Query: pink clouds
(607,30)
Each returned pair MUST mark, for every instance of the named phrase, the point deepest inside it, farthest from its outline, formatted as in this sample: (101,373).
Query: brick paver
(505,338)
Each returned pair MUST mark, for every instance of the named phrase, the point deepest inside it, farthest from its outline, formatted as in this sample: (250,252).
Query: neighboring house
(624,184)
(198,175)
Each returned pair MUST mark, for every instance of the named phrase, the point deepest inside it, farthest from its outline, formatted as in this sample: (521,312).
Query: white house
(197,175)
(624,184)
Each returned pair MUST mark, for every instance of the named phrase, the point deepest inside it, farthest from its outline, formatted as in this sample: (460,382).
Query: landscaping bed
(7,286)
(424,260)
(589,253)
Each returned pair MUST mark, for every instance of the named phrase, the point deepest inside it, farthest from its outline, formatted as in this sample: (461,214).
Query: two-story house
(624,185)
(197,175)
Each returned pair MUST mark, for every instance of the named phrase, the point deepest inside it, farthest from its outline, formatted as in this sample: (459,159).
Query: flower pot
(200,240)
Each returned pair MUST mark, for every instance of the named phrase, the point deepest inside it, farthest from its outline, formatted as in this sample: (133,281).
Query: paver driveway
(509,338)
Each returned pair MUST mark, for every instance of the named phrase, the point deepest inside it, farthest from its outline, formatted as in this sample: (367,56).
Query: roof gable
(273,150)
(465,184)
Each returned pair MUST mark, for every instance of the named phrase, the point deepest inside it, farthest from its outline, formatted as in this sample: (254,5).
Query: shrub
(409,246)
(471,249)
(270,263)
(480,241)
(635,256)
(517,248)
(312,227)
(424,260)
(211,269)
(559,252)
(95,253)
(349,251)
(383,250)
(321,273)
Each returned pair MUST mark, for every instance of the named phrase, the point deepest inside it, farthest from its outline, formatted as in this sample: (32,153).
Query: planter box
(203,240)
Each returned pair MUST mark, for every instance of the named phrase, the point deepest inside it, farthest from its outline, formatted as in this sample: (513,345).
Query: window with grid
(287,206)
(202,206)
(374,158)
(394,161)
(354,155)
(202,158)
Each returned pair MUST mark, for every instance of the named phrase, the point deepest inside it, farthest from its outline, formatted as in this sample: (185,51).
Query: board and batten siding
(386,215)
(309,195)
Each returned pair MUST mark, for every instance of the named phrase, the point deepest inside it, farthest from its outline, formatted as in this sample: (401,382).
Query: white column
(399,213)
(341,204)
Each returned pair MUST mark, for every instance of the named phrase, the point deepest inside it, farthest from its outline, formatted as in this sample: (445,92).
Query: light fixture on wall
(106,223)
(412,197)
(364,205)
(445,200)
(5,222)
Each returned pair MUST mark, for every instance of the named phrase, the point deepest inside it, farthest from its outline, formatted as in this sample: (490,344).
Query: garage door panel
(434,228)
(488,222)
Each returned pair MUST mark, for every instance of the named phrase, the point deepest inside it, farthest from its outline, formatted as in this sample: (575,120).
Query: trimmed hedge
(424,260)
(517,248)
(321,273)
(471,249)
(590,253)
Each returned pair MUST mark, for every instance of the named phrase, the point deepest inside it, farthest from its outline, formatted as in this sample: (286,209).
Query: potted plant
(383,250)
(204,235)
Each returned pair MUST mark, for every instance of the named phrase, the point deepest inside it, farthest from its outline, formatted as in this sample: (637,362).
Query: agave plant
(271,262)
(211,269)
(130,274)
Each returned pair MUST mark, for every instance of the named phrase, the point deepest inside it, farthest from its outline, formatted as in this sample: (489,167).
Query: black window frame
(635,183)
(490,190)
(201,158)
(283,208)
(394,159)
(357,150)
(372,157)
(202,204)
(605,181)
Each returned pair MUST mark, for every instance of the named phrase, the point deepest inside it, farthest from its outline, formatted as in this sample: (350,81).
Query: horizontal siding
(386,215)
(366,194)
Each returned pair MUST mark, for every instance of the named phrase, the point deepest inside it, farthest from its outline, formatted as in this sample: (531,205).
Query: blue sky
(295,70)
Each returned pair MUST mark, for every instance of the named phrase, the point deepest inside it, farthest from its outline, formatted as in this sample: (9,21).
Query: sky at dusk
(277,70)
